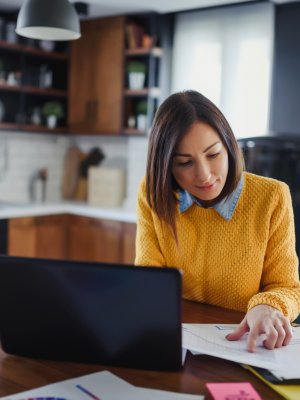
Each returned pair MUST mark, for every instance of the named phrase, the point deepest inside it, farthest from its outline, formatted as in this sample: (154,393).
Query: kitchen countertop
(10,210)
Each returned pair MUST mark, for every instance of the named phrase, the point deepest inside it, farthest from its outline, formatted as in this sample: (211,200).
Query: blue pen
(87,392)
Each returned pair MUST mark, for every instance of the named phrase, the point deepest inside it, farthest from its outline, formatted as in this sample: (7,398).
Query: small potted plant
(141,112)
(52,111)
(136,74)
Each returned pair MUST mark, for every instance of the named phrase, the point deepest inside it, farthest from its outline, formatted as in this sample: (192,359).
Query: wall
(22,155)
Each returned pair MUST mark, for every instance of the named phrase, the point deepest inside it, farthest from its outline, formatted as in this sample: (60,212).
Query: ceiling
(101,8)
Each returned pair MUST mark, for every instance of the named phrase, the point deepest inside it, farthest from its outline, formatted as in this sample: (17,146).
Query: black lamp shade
(48,20)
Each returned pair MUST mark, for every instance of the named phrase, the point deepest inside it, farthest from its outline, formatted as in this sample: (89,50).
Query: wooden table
(18,374)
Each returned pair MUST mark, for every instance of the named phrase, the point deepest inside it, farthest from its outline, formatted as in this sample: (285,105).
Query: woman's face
(200,164)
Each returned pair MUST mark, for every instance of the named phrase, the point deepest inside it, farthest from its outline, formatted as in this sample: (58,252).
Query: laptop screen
(109,314)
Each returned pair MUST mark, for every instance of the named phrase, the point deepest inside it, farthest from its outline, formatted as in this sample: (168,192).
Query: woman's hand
(266,320)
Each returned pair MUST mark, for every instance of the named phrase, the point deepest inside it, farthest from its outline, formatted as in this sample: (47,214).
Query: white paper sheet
(183,355)
(210,339)
(103,385)
(289,361)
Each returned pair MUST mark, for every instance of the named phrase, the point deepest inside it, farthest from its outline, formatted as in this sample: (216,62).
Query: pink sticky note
(233,391)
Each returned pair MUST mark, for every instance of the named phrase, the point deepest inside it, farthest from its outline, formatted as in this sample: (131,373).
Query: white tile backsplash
(23,154)
(137,158)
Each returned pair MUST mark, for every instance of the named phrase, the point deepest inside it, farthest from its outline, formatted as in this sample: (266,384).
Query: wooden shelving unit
(133,132)
(31,128)
(27,92)
(10,126)
(44,92)
(32,50)
(154,51)
(33,90)
(139,105)
(49,54)
(153,92)
(41,128)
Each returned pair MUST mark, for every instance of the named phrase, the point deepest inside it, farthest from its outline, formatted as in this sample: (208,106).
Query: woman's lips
(207,188)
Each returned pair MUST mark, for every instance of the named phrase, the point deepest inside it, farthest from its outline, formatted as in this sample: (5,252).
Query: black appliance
(277,157)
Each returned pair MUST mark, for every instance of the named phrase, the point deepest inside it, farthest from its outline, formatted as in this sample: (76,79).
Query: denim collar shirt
(225,208)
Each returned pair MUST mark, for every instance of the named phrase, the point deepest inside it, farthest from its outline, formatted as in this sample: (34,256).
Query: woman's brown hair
(173,119)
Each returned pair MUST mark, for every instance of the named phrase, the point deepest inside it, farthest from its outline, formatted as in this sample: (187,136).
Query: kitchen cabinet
(92,239)
(72,237)
(38,237)
(96,77)
(51,236)
(22,237)
(128,242)
(29,78)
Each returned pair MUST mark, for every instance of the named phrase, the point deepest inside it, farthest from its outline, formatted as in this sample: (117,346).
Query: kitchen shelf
(142,54)
(153,51)
(9,125)
(44,92)
(10,88)
(152,92)
(133,132)
(49,54)
(33,90)
(41,128)
(33,51)
(31,128)
(31,77)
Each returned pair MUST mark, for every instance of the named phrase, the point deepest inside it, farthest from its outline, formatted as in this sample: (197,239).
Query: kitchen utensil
(71,172)
(93,158)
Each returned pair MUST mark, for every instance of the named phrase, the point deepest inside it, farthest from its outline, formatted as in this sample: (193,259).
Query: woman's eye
(184,164)
(213,155)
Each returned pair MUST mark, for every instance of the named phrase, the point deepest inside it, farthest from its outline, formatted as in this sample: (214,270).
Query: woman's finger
(288,331)
(239,331)
(281,333)
(271,337)
(252,339)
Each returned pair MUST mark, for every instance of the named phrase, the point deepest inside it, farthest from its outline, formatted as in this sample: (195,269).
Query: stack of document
(278,367)
(100,385)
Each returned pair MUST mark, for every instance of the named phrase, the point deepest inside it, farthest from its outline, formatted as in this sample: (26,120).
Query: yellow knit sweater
(236,264)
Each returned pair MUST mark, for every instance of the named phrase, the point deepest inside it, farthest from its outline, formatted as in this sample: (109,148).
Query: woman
(230,232)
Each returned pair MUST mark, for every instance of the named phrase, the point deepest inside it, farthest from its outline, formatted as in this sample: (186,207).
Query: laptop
(112,314)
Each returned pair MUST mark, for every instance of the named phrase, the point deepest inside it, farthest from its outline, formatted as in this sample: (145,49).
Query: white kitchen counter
(8,211)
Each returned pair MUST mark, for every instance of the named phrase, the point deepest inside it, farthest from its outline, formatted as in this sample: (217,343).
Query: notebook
(288,392)
(110,314)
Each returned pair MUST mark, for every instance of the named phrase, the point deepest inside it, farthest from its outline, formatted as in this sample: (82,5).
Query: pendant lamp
(48,20)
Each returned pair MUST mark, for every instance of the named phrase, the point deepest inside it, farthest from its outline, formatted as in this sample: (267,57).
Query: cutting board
(70,177)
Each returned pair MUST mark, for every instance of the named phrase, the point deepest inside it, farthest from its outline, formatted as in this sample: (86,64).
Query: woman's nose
(203,173)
